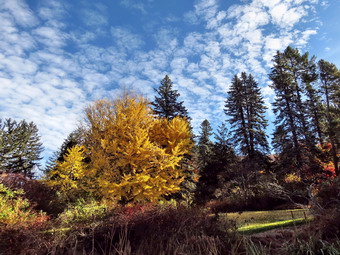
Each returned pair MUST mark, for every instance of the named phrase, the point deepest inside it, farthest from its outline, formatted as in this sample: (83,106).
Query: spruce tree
(166,104)
(204,143)
(289,76)
(223,158)
(20,147)
(286,134)
(217,162)
(245,109)
(204,152)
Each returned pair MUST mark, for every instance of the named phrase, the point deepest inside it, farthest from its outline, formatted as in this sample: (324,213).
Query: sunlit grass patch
(250,217)
(258,221)
(260,227)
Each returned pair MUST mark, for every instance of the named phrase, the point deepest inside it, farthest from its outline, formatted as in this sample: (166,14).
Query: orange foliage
(327,164)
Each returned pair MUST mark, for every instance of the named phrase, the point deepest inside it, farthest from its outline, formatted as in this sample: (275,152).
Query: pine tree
(286,134)
(313,102)
(20,147)
(166,104)
(330,85)
(245,109)
(297,119)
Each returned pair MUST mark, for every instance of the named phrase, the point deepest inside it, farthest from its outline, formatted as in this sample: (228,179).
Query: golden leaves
(68,175)
(132,155)
(137,156)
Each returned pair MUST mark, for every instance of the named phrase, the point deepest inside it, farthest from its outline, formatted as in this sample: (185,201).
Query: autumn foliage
(70,175)
(132,156)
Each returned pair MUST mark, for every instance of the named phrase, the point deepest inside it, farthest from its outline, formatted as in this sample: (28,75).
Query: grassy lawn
(258,221)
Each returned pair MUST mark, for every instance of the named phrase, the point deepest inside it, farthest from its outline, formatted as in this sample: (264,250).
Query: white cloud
(285,16)
(304,37)
(166,38)
(18,65)
(134,4)
(94,17)
(125,38)
(50,36)
(20,12)
(191,17)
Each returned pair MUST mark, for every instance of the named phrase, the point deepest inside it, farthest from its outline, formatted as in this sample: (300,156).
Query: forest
(133,178)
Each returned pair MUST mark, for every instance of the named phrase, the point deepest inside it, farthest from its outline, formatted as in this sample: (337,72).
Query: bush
(83,211)
(15,210)
(40,196)
(264,194)
(327,209)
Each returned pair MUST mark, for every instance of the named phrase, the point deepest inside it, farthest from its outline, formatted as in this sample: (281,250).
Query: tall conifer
(245,109)
(166,104)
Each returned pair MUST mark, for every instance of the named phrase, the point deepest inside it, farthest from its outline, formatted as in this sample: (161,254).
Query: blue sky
(57,56)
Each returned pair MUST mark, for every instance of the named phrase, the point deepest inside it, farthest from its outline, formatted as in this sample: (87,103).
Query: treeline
(130,151)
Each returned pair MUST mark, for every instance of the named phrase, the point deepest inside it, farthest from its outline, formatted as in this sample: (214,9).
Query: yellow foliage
(292,178)
(69,175)
(135,155)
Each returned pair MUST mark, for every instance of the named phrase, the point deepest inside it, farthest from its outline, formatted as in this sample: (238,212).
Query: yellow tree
(69,176)
(135,155)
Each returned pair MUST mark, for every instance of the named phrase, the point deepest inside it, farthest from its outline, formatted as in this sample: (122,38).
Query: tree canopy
(20,147)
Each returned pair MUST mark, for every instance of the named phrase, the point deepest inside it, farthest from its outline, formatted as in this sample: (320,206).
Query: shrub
(83,211)
(265,194)
(40,196)
(16,210)
(152,230)
(329,194)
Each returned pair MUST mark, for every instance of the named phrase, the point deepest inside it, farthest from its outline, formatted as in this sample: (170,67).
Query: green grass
(261,227)
(259,221)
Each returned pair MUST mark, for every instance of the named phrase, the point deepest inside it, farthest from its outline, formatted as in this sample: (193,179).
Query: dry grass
(156,231)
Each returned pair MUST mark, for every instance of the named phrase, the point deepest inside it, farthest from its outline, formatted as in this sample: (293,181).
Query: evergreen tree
(204,143)
(220,166)
(313,102)
(76,137)
(20,147)
(245,108)
(166,105)
(297,119)
(204,153)
(216,169)
(166,102)
(289,77)
(330,85)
